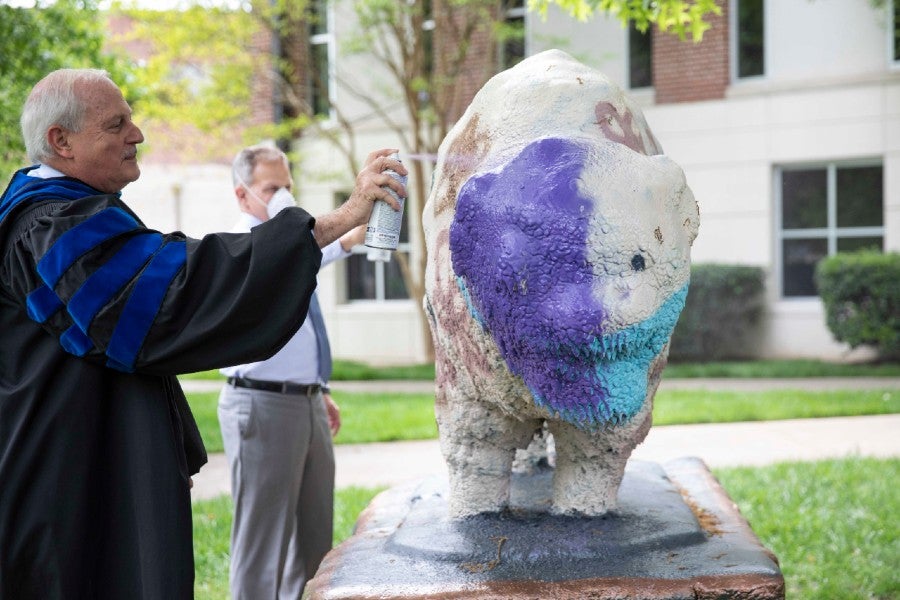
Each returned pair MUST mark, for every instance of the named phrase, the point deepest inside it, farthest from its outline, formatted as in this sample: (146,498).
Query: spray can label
(383,229)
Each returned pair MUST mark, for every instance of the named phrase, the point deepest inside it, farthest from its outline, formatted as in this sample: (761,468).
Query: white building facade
(785,119)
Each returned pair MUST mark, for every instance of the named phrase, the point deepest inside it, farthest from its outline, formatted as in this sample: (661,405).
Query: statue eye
(637,262)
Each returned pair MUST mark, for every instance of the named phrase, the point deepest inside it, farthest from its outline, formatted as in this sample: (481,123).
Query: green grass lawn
(833,525)
(680,407)
(780,369)
(346,370)
(355,371)
(385,417)
(212,530)
(389,417)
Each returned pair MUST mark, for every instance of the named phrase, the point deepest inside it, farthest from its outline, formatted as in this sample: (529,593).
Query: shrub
(861,293)
(723,308)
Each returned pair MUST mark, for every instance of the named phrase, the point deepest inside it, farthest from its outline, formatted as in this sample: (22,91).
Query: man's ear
(59,141)
(243,200)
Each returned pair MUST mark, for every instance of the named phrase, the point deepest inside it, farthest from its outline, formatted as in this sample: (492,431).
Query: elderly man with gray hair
(98,314)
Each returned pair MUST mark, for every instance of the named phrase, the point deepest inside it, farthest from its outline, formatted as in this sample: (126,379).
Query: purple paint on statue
(518,243)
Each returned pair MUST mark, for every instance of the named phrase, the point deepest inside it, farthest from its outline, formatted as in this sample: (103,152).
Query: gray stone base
(675,535)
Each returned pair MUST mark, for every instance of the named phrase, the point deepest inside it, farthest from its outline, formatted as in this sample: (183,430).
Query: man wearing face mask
(277,419)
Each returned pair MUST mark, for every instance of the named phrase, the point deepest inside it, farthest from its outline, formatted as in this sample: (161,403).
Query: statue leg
(478,442)
(590,465)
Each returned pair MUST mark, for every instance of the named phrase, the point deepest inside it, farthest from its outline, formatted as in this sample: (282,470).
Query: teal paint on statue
(622,361)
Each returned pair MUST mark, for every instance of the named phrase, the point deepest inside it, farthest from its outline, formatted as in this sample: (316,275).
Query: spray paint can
(383,229)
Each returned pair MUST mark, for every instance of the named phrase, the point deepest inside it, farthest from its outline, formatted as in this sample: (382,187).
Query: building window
(319,63)
(825,209)
(427,53)
(428,46)
(512,34)
(374,279)
(749,36)
(640,57)
(895,34)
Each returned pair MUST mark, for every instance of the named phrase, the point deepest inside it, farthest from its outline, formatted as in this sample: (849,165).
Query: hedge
(722,312)
(861,294)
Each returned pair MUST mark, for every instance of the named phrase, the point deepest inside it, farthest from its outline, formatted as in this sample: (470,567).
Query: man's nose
(137,136)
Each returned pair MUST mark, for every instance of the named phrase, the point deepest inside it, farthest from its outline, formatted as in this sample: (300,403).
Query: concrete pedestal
(675,535)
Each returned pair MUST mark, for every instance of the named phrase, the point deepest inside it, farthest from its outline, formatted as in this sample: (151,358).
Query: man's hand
(354,237)
(369,188)
(334,414)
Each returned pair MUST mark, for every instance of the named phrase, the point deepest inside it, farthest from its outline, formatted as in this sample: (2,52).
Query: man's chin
(129,175)
(133,171)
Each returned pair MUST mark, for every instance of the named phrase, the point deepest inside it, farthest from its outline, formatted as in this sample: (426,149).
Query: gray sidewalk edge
(718,445)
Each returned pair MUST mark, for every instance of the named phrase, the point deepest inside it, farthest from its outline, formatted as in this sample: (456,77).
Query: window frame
(734,43)
(326,39)
(831,233)
(380,267)
(892,18)
(629,32)
(510,13)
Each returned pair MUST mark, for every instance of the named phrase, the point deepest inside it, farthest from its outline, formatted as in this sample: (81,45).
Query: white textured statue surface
(558,238)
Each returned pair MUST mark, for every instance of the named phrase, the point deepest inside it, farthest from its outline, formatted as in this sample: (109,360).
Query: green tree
(425,49)
(418,49)
(194,77)
(35,41)
(679,17)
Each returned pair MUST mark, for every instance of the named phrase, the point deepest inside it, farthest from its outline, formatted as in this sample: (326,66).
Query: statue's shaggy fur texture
(559,259)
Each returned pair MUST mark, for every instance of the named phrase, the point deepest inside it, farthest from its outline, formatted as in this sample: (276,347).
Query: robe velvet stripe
(74,341)
(41,303)
(144,259)
(23,188)
(84,237)
(96,292)
(143,305)
(109,279)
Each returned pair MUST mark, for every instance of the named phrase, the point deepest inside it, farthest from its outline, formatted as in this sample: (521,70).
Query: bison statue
(558,237)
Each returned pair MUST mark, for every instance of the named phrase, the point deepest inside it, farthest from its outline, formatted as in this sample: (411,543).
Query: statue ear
(58,138)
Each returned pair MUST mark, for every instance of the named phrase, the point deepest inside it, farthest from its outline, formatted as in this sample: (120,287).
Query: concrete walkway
(719,445)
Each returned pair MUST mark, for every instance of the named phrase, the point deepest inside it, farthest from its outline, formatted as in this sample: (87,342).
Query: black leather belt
(279,387)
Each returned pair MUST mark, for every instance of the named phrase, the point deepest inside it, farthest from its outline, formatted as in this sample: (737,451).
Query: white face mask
(281,199)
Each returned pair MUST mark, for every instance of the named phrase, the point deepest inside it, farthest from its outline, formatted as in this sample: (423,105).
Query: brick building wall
(165,145)
(261,100)
(478,65)
(687,72)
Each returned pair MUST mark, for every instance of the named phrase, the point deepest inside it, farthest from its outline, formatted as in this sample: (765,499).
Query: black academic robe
(97,443)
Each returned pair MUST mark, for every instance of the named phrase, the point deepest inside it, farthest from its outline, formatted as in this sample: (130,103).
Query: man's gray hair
(53,101)
(247,159)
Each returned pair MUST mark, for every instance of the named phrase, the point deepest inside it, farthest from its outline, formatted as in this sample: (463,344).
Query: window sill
(758,86)
(389,306)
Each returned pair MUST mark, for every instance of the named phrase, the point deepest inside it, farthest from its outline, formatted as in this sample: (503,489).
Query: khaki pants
(282,482)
